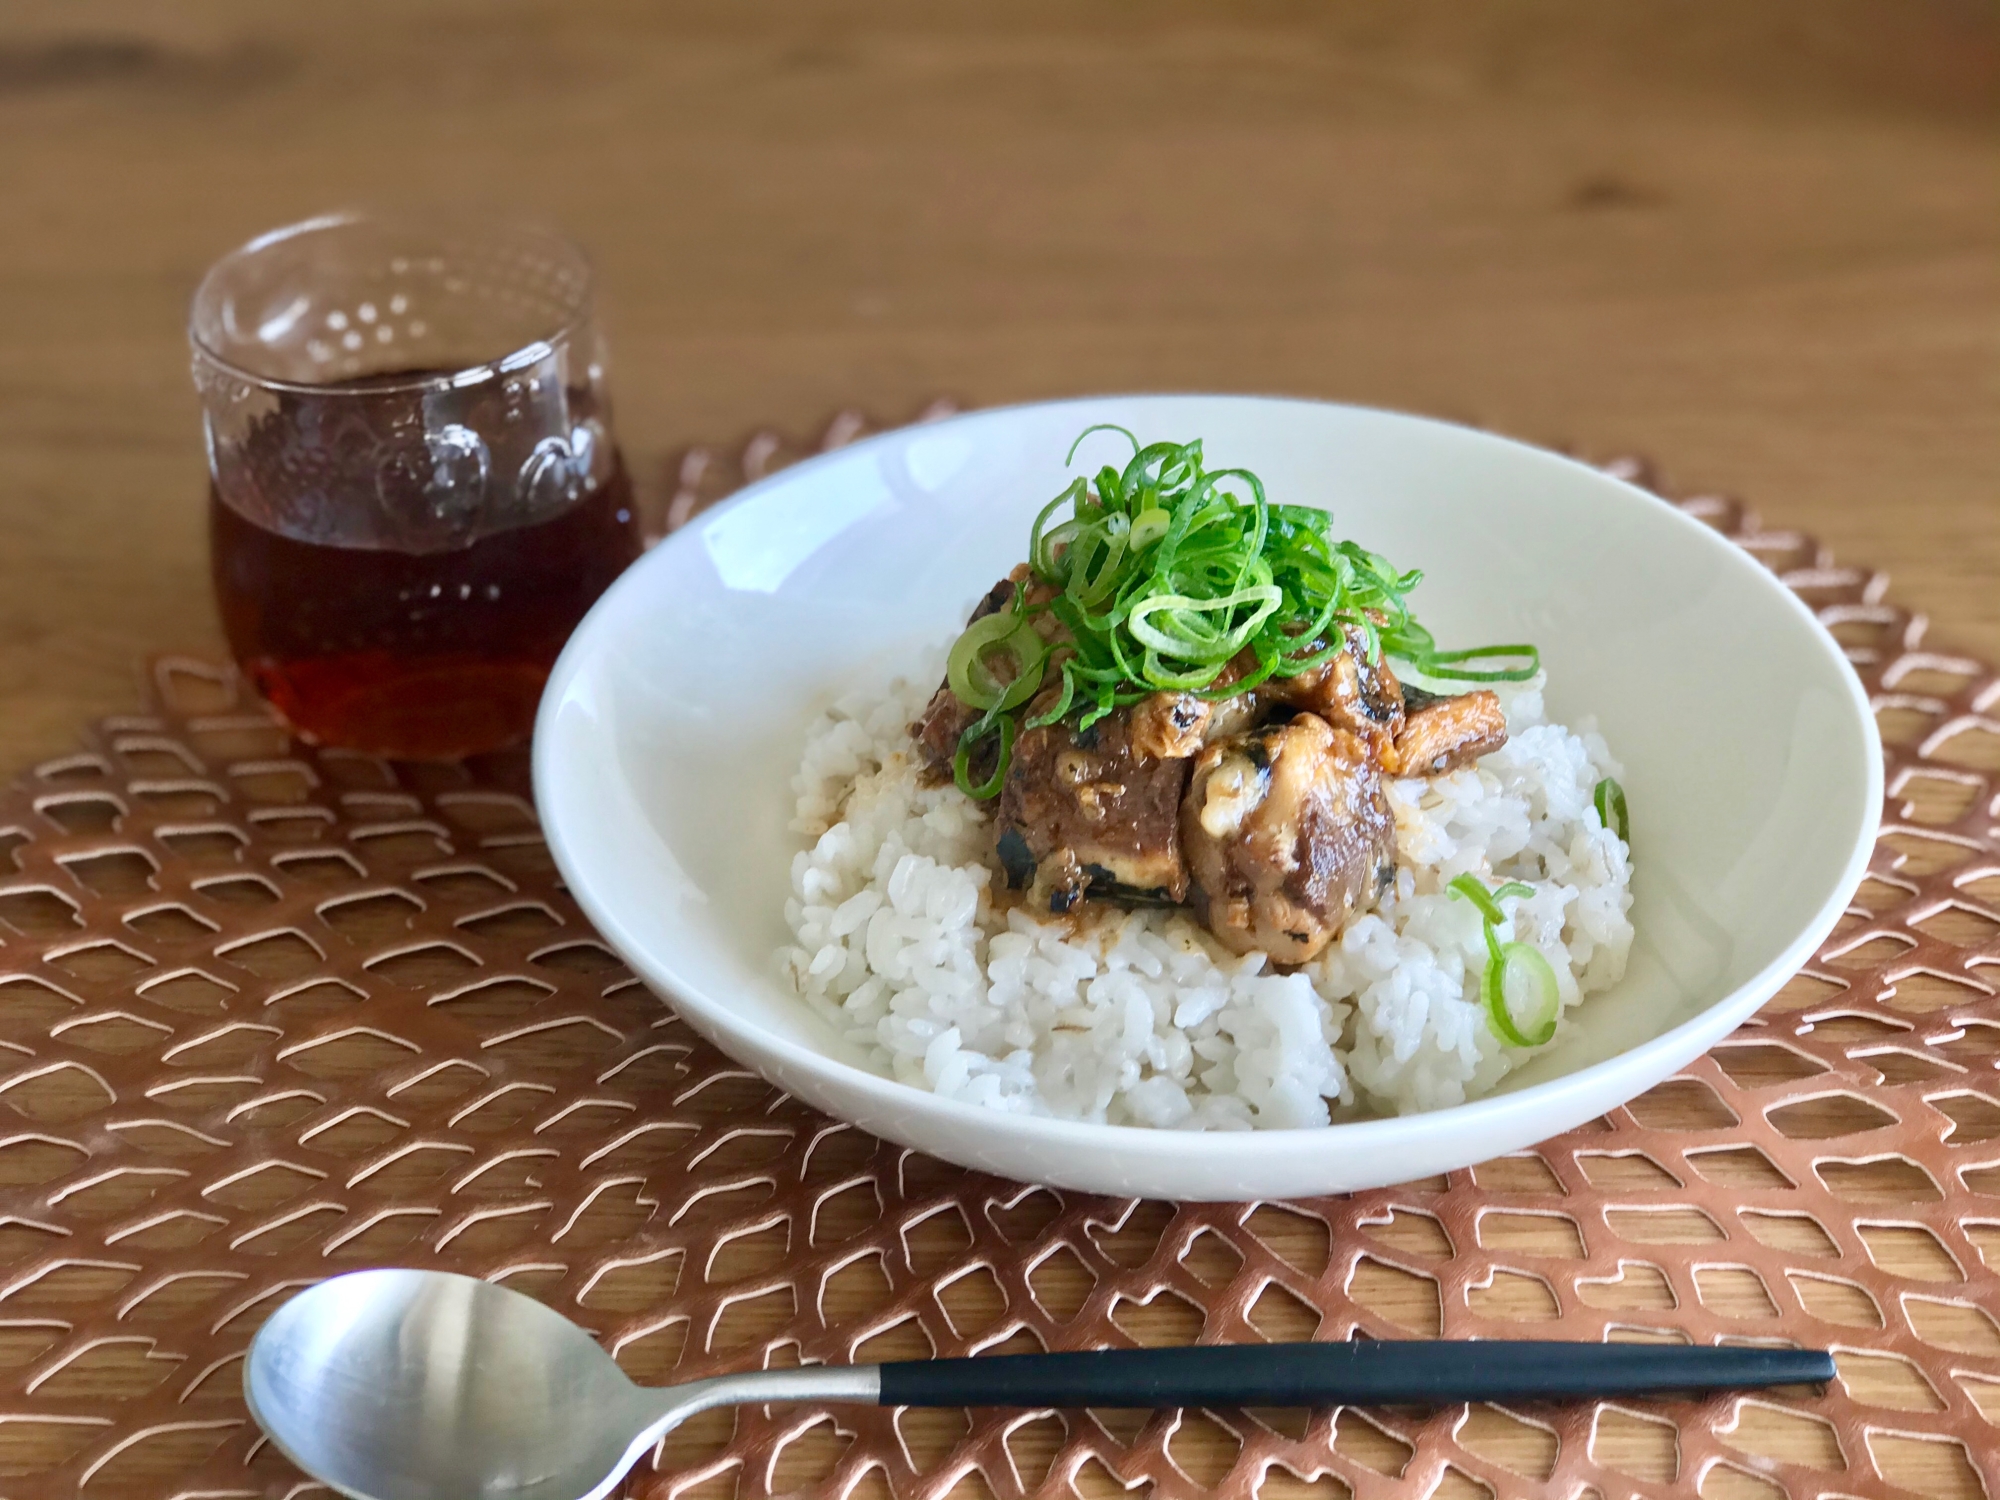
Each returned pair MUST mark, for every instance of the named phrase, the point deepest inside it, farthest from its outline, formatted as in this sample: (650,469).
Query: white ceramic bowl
(675,719)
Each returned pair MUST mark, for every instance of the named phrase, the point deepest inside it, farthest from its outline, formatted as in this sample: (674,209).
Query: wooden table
(1761,242)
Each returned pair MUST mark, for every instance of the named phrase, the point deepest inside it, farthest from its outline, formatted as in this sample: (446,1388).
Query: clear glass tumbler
(414,489)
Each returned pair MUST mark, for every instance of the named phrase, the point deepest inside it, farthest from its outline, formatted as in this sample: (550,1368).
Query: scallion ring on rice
(1608,797)
(1518,981)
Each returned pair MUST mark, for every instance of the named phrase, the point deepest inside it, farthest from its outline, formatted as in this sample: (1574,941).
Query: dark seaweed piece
(1015,858)
(1103,885)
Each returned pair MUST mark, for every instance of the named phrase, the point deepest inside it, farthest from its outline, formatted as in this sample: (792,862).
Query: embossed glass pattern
(415,489)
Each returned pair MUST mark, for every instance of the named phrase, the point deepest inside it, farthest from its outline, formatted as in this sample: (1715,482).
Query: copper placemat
(267,1013)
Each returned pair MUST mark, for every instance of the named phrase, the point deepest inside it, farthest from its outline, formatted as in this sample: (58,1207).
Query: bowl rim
(1685,1040)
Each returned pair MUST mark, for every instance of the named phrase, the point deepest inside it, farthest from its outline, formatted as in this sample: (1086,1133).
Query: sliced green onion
(1310,517)
(1609,800)
(1470,888)
(1094,558)
(961,761)
(1149,526)
(1041,548)
(1060,707)
(1107,699)
(1445,665)
(1002,634)
(1070,457)
(1517,978)
(1189,632)
(1519,982)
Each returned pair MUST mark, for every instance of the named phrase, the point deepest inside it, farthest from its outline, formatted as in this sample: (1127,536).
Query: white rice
(1139,1018)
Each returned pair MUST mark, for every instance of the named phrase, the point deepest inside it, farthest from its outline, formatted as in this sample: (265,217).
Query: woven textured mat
(267,1013)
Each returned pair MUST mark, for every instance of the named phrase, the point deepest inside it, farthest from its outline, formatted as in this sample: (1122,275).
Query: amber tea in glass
(414,490)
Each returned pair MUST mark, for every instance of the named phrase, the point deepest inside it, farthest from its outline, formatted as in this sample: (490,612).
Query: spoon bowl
(443,1385)
(417,1385)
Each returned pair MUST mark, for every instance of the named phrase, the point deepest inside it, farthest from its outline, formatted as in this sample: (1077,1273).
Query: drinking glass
(414,489)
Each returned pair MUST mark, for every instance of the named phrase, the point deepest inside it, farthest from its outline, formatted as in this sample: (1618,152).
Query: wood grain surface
(1758,241)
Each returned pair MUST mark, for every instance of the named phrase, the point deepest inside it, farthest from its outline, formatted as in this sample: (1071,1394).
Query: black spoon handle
(1437,1371)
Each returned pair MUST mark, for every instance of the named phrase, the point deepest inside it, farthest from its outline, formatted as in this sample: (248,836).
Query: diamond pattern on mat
(267,1013)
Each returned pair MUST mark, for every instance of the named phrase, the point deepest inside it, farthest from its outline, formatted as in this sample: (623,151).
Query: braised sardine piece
(1083,813)
(1441,734)
(1170,726)
(1288,835)
(1348,691)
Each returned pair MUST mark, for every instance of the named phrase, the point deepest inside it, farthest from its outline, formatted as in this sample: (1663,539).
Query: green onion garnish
(961,760)
(1609,800)
(1165,572)
(1007,634)
(1468,888)
(1517,980)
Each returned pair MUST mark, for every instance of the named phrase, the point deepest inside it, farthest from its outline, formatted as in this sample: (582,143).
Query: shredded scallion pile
(1162,574)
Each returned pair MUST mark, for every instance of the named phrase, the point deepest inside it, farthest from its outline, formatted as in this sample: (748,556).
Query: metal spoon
(419,1385)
